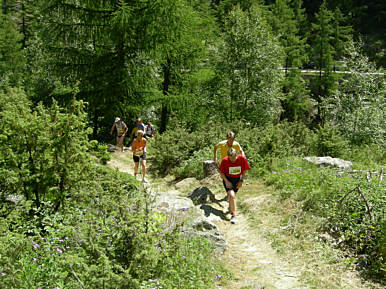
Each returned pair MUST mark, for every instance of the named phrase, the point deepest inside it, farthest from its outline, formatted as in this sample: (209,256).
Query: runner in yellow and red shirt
(232,171)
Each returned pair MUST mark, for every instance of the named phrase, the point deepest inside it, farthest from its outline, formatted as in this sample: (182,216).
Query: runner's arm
(125,129)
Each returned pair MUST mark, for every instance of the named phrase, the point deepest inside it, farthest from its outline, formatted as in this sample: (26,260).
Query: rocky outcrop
(329,161)
(186,183)
(202,195)
(195,212)
(204,228)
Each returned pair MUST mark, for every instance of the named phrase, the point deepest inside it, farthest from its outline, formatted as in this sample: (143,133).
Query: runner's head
(232,154)
(139,120)
(230,138)
(140,134)
(117,119)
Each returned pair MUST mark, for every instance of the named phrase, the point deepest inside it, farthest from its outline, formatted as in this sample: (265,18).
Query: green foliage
(358,107)
(108,238)
(247,82)
(100,151)
(194,165)
(264,146)
(182,153)
(42,150)
(11,54)
(330,142)
(351,204)
(174,148)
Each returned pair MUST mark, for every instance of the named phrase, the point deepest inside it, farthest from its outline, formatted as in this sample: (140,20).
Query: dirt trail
(254,262)
(250,257)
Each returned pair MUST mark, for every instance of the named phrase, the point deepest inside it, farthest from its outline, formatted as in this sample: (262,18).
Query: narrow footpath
(249,256)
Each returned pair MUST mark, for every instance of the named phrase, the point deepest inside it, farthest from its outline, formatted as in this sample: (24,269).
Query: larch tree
(248,69)
(101,45)
(358,108)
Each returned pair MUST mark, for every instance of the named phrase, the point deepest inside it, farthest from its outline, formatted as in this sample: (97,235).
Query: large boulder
(171,201)
(186,183)
(204,228)
(329,161)
(202,195)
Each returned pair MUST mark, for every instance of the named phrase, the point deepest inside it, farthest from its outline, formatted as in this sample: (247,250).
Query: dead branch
(349,192)
(76,276)
(367,204)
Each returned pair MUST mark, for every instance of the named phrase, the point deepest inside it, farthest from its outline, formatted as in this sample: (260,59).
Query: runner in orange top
(139,152)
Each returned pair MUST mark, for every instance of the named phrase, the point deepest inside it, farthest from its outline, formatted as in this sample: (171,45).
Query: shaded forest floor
(258,255)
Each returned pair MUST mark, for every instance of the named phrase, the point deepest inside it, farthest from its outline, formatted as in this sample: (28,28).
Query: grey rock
(329,161)
(202,195)
(172,202)
(186,183)
(202,227)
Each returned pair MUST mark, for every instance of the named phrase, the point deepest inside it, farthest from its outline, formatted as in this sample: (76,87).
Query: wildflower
(34,259)
(218,276)
(2,274)
(59,250)
(36,245)
(68,247)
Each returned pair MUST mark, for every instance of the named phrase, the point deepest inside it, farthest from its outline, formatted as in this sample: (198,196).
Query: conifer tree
(180,34)
(285,22)
(11,56)
(323,53)
(341,35)
(102,44)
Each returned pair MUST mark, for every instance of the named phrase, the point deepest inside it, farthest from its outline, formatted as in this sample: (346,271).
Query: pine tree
(180,46)
(323,53)
(284,20)
(11,55)
(341,35)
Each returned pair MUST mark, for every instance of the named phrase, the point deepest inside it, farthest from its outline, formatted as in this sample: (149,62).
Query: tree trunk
(210,168)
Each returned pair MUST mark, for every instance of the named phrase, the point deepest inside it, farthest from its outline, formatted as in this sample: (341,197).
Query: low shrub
(351,203)
(108,238)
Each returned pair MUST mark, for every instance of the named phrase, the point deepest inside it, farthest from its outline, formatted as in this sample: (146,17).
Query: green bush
(100,151)
(331,143)
(108,238)
(42,150)
(173,148)
(353,216)
(68,222)
(182,153)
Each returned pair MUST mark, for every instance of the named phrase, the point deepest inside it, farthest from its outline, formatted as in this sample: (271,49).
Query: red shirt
(235,169)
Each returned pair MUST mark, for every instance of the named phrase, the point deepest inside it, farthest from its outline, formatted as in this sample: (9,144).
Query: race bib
(235,170)
(139,153)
